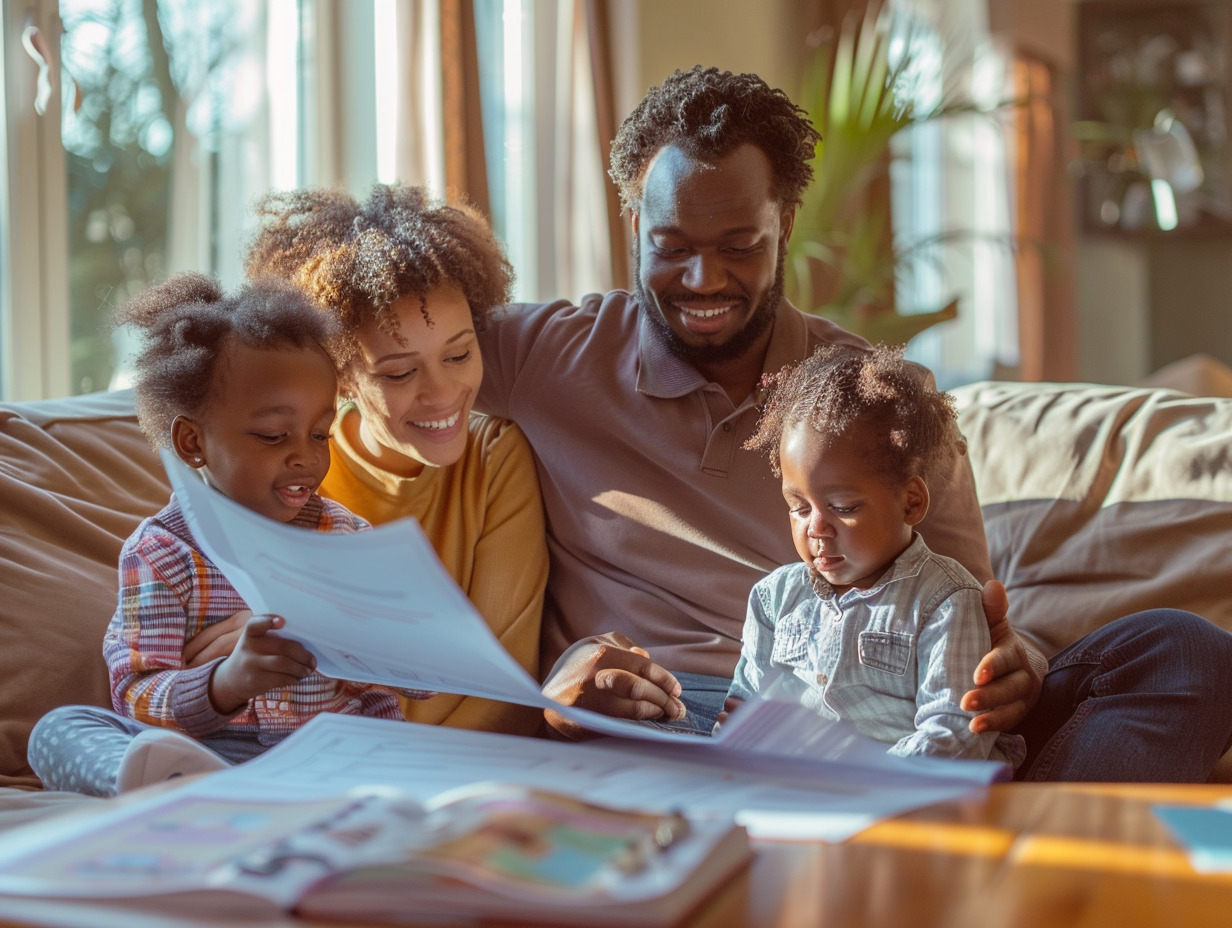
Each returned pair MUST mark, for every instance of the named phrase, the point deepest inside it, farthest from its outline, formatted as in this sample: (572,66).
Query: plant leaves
(858,99)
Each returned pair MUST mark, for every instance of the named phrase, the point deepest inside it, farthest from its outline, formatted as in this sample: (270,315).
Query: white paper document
(771,797)
(379,607)
(374,607)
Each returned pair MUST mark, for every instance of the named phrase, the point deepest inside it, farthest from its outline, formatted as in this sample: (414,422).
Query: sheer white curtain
(546,174)
(267,95)
(953,185)
(409,137)
(193,110)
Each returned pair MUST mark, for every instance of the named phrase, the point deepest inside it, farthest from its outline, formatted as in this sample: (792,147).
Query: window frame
(336,144)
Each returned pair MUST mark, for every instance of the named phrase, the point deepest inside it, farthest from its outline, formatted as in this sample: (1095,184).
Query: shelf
(1137,58)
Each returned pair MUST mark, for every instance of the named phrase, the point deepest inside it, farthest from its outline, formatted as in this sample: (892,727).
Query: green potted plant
(842,261)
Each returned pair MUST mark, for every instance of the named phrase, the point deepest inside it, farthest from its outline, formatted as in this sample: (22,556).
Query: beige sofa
(1099,501)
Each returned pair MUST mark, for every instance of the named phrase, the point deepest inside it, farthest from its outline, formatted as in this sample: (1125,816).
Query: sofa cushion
(76,476)
(1102,501)
(1098,502)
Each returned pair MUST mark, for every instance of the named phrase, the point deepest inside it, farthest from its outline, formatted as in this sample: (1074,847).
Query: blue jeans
(703,697)
(1143,699)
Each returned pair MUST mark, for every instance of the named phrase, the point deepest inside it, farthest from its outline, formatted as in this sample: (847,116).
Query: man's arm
(1009,678)
(507,341)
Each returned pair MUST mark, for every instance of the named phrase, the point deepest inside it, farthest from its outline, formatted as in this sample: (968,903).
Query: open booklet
(373,854)
(379,607)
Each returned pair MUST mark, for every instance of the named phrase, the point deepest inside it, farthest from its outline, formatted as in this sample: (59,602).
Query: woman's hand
(611,675)
(218,640)
(1007,683)
(261,661)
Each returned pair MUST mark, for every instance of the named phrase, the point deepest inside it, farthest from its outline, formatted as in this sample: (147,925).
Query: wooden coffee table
(1055,855)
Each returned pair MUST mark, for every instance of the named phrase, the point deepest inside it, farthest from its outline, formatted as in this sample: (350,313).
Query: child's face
(263,438)
(847,522)
(415,387)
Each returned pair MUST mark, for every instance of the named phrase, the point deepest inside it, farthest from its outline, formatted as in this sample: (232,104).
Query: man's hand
(218,640)
(1006,683)
(261,661)
(609,674)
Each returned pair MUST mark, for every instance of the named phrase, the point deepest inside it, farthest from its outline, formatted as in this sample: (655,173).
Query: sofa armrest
(76,476)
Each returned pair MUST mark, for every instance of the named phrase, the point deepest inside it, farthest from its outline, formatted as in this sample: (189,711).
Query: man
(637,406)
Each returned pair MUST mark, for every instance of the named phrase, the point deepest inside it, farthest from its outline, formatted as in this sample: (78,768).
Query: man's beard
(736,346)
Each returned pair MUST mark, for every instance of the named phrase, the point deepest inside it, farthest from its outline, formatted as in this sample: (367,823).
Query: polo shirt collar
(661,374)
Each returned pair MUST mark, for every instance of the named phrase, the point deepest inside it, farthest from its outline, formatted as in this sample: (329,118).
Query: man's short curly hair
(188,322)
(709,113)
(906,426)
(356,259)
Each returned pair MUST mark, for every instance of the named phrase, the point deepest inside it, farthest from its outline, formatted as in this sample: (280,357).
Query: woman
(410,282)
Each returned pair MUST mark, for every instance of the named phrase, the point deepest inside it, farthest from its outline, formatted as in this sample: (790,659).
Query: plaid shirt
(170,591)
(894,659)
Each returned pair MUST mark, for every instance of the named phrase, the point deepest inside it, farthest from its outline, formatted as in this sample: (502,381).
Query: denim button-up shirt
(894,659)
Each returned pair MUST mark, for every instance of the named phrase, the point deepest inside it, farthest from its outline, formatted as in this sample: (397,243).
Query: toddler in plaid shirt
(870,626)
(241,389)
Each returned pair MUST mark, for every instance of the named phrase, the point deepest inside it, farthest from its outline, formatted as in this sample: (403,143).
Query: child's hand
(217,640)
(730,705)
(260,662)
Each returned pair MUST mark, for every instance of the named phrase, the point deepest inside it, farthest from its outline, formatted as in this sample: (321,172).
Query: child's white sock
(159,754)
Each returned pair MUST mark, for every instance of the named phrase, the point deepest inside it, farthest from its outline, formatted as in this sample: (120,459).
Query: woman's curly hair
(356,259)
(906,426)
(709,113)
(187,323)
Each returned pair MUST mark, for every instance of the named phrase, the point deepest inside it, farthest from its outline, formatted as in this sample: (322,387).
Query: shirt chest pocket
(888,651)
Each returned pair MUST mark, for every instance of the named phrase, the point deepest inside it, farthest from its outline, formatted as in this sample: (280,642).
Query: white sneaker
(160,754)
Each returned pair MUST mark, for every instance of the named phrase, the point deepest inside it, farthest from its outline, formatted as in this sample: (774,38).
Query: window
(952,204)
(546,175)
(162,112)
(165,121)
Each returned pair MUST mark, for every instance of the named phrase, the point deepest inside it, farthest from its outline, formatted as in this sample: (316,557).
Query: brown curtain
(566,197)
(466,175)
(595,13)
(1046,326)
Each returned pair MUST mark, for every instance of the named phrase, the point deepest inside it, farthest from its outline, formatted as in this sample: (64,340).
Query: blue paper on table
(1206,833)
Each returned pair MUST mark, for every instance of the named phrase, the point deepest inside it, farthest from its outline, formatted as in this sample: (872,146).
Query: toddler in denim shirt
(870,626)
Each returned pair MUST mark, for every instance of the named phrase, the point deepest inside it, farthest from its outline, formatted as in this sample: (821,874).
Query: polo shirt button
(726,426)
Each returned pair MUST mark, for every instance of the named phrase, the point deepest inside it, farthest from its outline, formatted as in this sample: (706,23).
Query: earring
(197,461)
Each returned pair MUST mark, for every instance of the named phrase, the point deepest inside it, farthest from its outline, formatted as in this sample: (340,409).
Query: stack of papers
(379,607)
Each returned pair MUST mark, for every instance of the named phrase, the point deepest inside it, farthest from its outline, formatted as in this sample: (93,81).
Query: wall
(1191,299)
(766,38)
(1148,299)
(1114,338)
